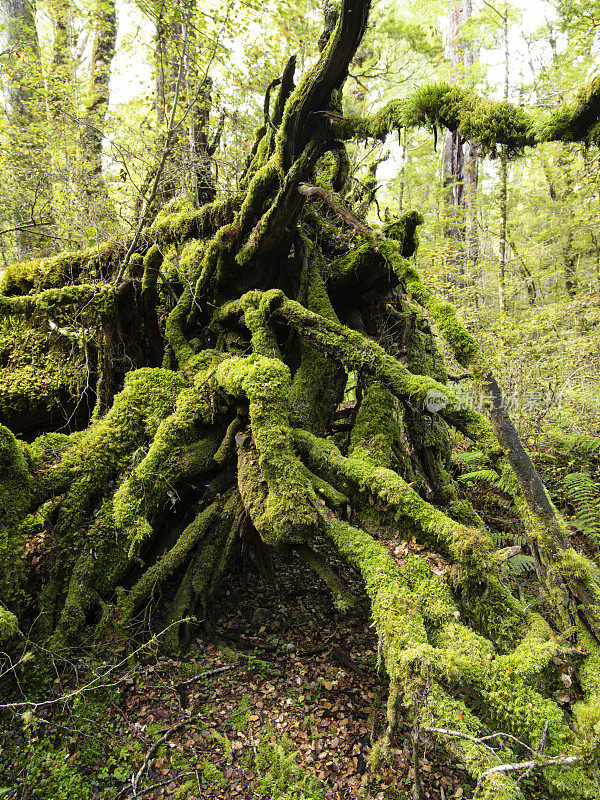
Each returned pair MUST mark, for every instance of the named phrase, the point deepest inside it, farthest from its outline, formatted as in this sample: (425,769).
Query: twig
(206,674)
(135,778)
(528,765)
(93,684)
(461,735)
(542,744)
(162,783)
(418,786)
(540,750)
(501,734)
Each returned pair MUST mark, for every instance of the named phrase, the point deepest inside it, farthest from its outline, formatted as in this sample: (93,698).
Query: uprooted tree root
(229,441)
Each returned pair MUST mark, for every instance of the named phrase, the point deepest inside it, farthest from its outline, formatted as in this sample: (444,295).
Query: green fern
(507,538)
(469,458)
(486,476)
(578,444)
(474,460)
(520,564)
(583,493)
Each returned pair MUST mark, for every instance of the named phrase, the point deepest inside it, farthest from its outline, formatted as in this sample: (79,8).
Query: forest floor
(292,698)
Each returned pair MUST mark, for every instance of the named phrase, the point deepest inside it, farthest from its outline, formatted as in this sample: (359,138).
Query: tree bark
(24,97)
(97,202)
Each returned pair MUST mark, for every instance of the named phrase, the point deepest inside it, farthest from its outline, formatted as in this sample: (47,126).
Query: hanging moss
(488,122)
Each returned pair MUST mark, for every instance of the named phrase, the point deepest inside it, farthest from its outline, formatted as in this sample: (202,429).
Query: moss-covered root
(343,598)
(572,592)
(438,710)
(101,563)
(177,447)
(422,644)
(318,382)
(471,548)
(288,514)
(571,582)
(129,602)
(403,642)
(103,451)
(205,570)
(15,496)
(587,712)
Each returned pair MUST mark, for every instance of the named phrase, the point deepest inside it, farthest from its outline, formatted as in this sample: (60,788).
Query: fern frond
(583,493)
(469,458)
(519,565)
(487,475)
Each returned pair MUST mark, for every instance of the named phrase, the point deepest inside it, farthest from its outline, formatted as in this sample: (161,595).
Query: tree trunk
(460,169)
(97,203)
(25,106)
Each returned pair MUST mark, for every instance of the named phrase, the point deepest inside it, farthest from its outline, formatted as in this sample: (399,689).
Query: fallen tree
(215,349)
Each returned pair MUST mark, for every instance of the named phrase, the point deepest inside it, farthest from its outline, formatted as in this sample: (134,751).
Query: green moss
(39,371)
(440,710)
(288,514)
(152,264)
(9,625)
(65,268)
(105,450)
(577,566)
(148,485)
(213,775)
(174,329)
(204,572)
(15,497)
(316,386)
(404,231)
(179,221)
(375,428)
(486,121)
(49,447)
(278,774)
(472,548)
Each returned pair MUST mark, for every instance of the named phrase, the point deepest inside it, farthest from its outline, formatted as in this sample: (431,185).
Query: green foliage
(52,774)
(584,494)
(485,476)
(279,776)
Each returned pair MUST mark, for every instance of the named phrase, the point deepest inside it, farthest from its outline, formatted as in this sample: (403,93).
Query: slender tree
(460,164)
(24,100)
(96,107)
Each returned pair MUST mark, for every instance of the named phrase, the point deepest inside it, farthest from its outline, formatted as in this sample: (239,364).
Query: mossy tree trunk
(25,111)
(219,378)
(97,202)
